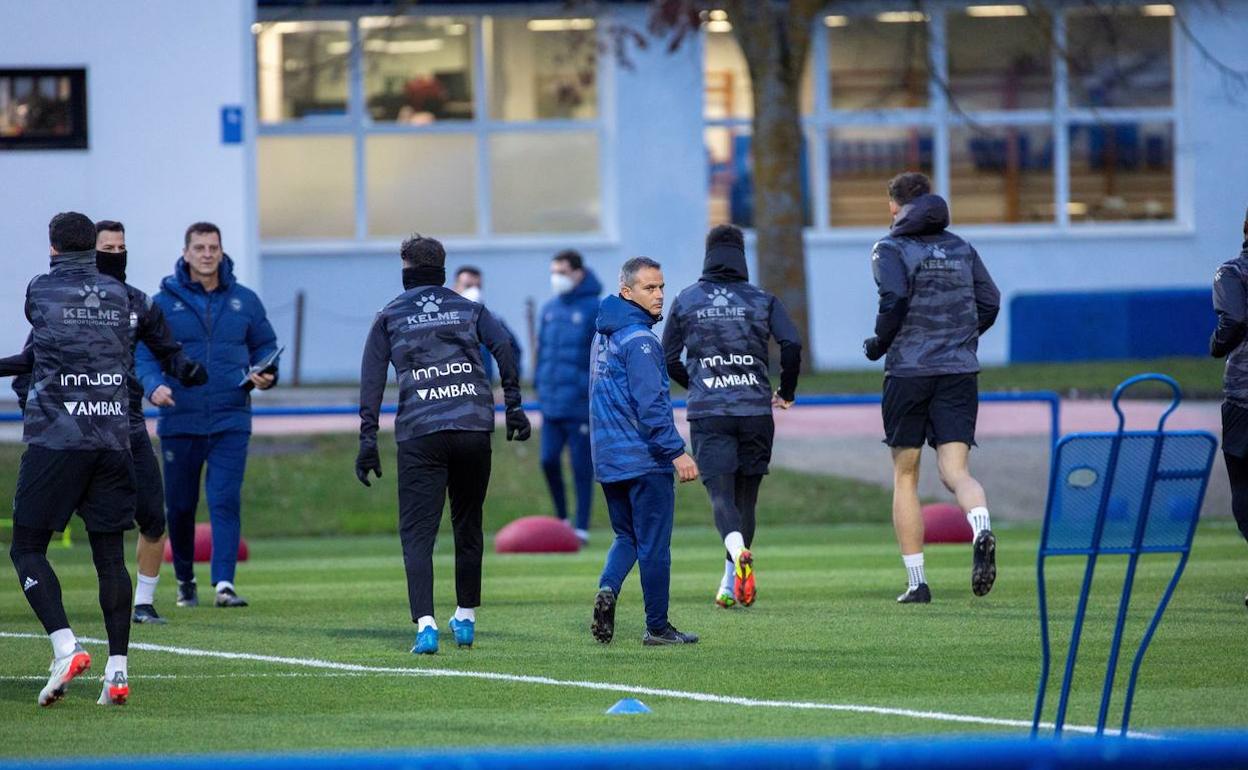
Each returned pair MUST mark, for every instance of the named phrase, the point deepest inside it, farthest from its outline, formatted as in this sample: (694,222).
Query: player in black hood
(722,325)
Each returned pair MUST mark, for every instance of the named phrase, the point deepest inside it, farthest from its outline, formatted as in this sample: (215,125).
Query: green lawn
(825,629)
(307,486)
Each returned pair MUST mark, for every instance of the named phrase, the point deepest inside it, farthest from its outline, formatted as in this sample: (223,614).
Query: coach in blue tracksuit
(562,382)
(222,324)
(635,448)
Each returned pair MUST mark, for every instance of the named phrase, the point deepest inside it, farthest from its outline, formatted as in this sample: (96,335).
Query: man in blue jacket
(223,324)
(562,382)
(635,447)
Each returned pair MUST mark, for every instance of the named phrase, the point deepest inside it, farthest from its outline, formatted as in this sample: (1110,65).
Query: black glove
(367,460)
(518,424)
(192,374)
(871,346)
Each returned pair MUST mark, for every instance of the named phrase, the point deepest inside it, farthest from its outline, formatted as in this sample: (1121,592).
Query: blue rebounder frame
(1123,493)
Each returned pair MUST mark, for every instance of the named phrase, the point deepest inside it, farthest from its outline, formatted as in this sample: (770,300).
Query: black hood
(925,215)
(725,263)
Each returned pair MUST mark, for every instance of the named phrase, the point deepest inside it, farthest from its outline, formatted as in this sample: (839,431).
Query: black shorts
(940,410)
(1234,430)
(97,483)
(724,445)
(149,511)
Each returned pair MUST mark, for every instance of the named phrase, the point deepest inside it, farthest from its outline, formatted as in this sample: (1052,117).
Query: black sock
(35,577)
(108,553)
(722,490)
(747,504)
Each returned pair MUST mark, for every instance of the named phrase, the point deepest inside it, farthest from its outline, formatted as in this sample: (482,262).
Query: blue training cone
(629,706)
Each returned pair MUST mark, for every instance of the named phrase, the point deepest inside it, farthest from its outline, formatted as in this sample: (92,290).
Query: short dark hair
(469,269)
(201,227)
(70,231)
(907,186)
(109,226)
(422,251)
(572,257)
(628,273)
(728,234)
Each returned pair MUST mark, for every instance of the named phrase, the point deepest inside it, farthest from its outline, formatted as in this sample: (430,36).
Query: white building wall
(655,198)
(157,77)
(156,162)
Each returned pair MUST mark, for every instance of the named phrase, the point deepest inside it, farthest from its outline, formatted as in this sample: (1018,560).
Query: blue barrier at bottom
(1192,750)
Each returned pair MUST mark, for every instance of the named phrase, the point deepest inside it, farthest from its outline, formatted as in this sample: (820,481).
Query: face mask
(561,283)
(472,294)
(112,263)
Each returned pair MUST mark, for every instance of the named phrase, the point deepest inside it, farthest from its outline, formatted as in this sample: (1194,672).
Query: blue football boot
(463,630)
(426,642)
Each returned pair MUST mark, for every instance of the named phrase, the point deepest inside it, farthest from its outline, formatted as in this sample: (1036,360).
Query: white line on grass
(700,697)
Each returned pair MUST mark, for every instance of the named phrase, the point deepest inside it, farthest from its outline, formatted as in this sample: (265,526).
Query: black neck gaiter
(423,276)
(112,263)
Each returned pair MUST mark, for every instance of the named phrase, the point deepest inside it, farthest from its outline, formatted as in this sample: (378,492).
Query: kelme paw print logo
(432,303)
(91,295)
(720,297)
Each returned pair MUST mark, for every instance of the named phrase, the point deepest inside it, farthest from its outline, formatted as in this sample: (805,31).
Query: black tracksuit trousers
(430,467)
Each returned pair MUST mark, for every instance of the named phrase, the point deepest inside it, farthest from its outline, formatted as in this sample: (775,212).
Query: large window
(378,126)
(1019,114)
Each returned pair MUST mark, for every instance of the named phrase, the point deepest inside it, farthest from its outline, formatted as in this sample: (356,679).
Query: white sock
(978,517)
(735,544)
(914,568)
(145,591)
(63,642)
(725,585)
(115,663)
(425,621)
(465,613)
(224,584)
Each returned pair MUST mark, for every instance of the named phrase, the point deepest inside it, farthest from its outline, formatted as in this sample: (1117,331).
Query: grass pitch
(825,629)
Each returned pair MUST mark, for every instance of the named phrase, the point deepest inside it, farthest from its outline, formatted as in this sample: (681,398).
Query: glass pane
(545,182)
(1119,58)
(727,86)
(301,69)
(726,76)
(1001,174)
(1121,171)
(861,160)
(730,190)
(417,70)
(875,64)
(306,186)
(544,69)
(730,176)
(999,61)
(39,107)
(421,183)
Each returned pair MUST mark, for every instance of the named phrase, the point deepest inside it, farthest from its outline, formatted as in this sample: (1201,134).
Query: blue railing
(829,399)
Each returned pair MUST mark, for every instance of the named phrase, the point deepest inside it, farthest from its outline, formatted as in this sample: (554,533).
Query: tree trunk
(774,41)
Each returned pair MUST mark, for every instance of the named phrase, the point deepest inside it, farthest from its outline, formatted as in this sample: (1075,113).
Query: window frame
(939,117)
(357,124)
